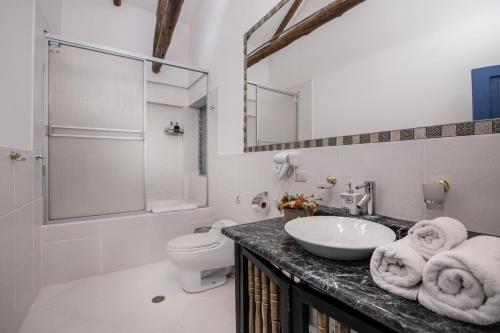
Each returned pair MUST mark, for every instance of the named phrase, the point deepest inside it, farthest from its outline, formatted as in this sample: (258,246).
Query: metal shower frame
(116,52)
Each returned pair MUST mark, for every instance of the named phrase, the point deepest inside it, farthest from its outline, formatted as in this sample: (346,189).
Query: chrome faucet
(367,203)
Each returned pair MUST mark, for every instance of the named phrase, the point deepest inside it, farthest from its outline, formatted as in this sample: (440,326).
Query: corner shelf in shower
(172,132)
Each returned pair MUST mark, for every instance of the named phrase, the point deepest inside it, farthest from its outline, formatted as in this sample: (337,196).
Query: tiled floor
(121,303)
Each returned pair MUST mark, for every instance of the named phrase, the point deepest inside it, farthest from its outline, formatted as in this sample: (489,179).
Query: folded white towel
(397,268)
(430,237)
(464,283)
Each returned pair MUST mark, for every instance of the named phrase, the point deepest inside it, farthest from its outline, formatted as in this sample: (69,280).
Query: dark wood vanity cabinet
(271,301)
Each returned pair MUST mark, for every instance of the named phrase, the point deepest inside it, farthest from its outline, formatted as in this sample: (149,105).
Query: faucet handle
(370,184)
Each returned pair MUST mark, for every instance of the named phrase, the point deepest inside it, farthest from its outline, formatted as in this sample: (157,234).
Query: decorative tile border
(265,18)
(481,127)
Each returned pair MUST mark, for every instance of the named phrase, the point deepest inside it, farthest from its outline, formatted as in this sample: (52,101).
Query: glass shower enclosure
(119,137)
(267,107)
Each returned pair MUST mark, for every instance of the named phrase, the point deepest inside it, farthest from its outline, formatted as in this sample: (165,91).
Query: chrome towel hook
(15,156)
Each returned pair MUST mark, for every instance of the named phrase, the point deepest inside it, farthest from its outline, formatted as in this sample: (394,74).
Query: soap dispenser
(350,200)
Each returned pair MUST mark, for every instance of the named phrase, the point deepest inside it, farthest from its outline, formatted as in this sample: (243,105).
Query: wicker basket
(292,214)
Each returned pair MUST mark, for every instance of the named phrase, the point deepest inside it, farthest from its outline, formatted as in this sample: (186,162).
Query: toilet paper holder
(434,193)
(260,202)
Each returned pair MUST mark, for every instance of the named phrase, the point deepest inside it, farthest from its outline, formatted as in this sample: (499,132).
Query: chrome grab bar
(96,129)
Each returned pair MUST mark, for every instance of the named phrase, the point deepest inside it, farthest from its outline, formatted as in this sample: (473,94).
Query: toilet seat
(194,242)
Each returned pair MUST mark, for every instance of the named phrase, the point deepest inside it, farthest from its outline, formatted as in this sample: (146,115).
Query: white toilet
(204,259)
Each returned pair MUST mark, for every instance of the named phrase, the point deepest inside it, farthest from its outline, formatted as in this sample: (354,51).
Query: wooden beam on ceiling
(288,17)
(322,16)
(117,3)
(167,15)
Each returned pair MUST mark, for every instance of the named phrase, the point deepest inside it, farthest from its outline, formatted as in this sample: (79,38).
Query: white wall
(172,160)
(165,94)
(126,27)
(16,85)
(164,153)
(216,43)
(21,202)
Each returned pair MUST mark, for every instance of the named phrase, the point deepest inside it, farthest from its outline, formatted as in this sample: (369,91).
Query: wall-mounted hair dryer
(287,162)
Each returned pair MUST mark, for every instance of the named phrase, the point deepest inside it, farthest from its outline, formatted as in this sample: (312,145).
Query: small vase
(292,214)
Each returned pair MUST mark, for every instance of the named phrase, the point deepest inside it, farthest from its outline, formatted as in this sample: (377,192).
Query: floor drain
(158,299)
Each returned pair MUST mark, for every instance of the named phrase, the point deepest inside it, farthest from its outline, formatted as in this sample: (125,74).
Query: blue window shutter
(486,92)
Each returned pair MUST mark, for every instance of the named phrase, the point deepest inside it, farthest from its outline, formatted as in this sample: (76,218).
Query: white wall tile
(23,176)
(7,249)
(37,180)
(25,290)
(70,260)
(75,250)
(396,167)
(37,257)
(171,219)
(19,241)
(8,322)
(161,236)
(201,215)
(125,242)
(470,165)
(69,231)
(24,230)
(6,182)
(126,224)
(125,250)
(38,221)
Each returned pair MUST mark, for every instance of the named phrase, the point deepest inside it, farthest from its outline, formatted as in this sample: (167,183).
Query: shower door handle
(39,157)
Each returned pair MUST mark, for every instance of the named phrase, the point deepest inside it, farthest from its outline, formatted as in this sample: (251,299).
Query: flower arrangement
(297,205)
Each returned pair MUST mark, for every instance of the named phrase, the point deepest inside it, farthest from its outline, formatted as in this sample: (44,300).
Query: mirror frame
(479,127)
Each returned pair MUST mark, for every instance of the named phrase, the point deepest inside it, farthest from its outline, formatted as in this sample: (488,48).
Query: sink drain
(158,299)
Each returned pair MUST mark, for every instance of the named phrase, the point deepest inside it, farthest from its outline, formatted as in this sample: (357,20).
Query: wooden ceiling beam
(117,3)
(160,11)
(288,17)
(167,15)
(322,16)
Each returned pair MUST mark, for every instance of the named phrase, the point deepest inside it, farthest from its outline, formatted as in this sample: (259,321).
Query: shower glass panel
(174,99)
(251,104)
(275,107)
(95,133)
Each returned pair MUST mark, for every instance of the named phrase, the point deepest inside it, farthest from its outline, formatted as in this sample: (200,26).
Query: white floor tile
(220,318)
(120,302)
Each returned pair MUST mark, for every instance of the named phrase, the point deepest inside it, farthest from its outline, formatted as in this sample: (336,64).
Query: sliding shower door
(275,107)
(95,133)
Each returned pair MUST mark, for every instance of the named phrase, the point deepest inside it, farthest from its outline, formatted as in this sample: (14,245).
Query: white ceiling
(150,5)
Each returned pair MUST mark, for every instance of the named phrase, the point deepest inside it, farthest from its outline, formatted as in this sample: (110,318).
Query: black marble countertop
(347,281)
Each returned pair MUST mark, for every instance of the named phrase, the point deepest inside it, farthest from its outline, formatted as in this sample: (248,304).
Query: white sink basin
(341,238)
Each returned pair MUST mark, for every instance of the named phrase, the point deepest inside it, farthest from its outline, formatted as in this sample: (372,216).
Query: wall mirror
(322,68)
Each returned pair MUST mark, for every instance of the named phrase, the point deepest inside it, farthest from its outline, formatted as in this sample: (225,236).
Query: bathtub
(91,247)
(165,206)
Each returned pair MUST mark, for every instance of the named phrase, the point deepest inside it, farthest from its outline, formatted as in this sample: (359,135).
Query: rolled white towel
(429,237)
(464,283)
(397,268)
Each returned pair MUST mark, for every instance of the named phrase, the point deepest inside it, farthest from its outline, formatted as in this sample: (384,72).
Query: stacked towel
(430,237)
(397,268)
(464,283)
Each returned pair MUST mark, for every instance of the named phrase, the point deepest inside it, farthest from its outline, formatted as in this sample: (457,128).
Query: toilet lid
(193,241)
